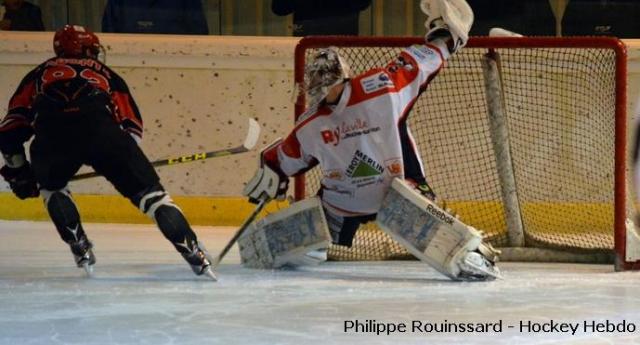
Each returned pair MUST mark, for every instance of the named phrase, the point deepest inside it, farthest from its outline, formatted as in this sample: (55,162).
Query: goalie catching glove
(448,18)
(267,183)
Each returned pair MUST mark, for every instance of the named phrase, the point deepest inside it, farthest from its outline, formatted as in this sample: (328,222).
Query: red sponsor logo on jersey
(394,168)
(328,137)
(334,175)
(347,130)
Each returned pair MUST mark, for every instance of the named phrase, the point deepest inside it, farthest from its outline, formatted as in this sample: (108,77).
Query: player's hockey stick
(241,230)
(249,142)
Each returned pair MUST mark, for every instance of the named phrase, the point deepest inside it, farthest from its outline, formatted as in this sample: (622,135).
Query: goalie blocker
(293,236)
(434,236)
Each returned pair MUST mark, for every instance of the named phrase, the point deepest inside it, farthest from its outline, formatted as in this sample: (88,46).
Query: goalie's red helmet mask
(76,41)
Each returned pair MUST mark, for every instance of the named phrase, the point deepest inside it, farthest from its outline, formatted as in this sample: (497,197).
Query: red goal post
(565,104)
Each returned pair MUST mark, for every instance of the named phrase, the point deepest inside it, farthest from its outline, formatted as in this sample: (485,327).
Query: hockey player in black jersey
(80,112)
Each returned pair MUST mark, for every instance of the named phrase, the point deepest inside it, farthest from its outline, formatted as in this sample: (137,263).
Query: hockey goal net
(525,138)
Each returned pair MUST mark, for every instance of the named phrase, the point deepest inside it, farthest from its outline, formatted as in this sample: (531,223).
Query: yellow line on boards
(217,211)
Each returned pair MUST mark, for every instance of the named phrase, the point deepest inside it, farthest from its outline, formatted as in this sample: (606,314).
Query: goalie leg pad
(431,234)
(286,237)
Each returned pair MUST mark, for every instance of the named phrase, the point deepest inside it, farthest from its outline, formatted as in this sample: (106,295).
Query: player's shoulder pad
(31,76)
(41,66)
(112,74)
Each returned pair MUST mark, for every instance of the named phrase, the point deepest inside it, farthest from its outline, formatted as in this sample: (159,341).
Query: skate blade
(88,269)
(305,260)
(209,274)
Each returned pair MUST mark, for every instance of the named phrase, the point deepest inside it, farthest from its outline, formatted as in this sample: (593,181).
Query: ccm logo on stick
(194,157)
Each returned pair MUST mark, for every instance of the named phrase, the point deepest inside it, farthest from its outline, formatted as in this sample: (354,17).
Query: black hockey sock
(65,216)
(156,203)
(349,228)
(175,228)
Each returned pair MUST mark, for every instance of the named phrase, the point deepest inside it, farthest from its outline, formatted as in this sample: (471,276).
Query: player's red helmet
(75,41)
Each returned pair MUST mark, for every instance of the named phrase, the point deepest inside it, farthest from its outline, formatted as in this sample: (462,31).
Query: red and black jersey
(68,81)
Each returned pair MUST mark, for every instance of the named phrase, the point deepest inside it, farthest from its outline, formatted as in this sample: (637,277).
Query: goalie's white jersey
(357,142)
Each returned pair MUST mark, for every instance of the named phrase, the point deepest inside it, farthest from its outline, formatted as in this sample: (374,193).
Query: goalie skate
(311,258)
(476,266)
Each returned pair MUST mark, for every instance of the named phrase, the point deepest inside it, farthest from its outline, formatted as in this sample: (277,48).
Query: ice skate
(317,256)
(477,267)
(83,254)
(311,258)
(200,261)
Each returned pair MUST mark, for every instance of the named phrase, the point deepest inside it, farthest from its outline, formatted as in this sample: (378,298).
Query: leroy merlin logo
(363,166)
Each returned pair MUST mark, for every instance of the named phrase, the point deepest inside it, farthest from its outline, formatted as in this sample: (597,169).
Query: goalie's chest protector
(358,144)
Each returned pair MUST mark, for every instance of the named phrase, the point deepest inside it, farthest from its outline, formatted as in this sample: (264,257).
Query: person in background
(322,17)
(20,15)
(601,18)
(180,17)
(526,17)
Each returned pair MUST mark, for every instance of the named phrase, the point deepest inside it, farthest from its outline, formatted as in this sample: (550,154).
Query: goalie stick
(261,204)
(249,142)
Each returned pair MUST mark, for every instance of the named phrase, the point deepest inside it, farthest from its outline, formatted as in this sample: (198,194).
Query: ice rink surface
(143,293)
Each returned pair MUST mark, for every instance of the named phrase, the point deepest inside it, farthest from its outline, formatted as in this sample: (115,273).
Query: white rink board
(195,93)
(143,293)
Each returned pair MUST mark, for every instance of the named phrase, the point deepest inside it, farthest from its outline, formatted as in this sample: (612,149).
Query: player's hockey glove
(21,180)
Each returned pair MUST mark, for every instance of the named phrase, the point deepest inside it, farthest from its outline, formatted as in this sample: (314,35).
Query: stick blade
(500,32)
(252,136)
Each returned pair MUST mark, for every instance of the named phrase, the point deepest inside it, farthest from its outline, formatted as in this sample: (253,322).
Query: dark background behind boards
(528,17)
(601,17)
(581,17)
